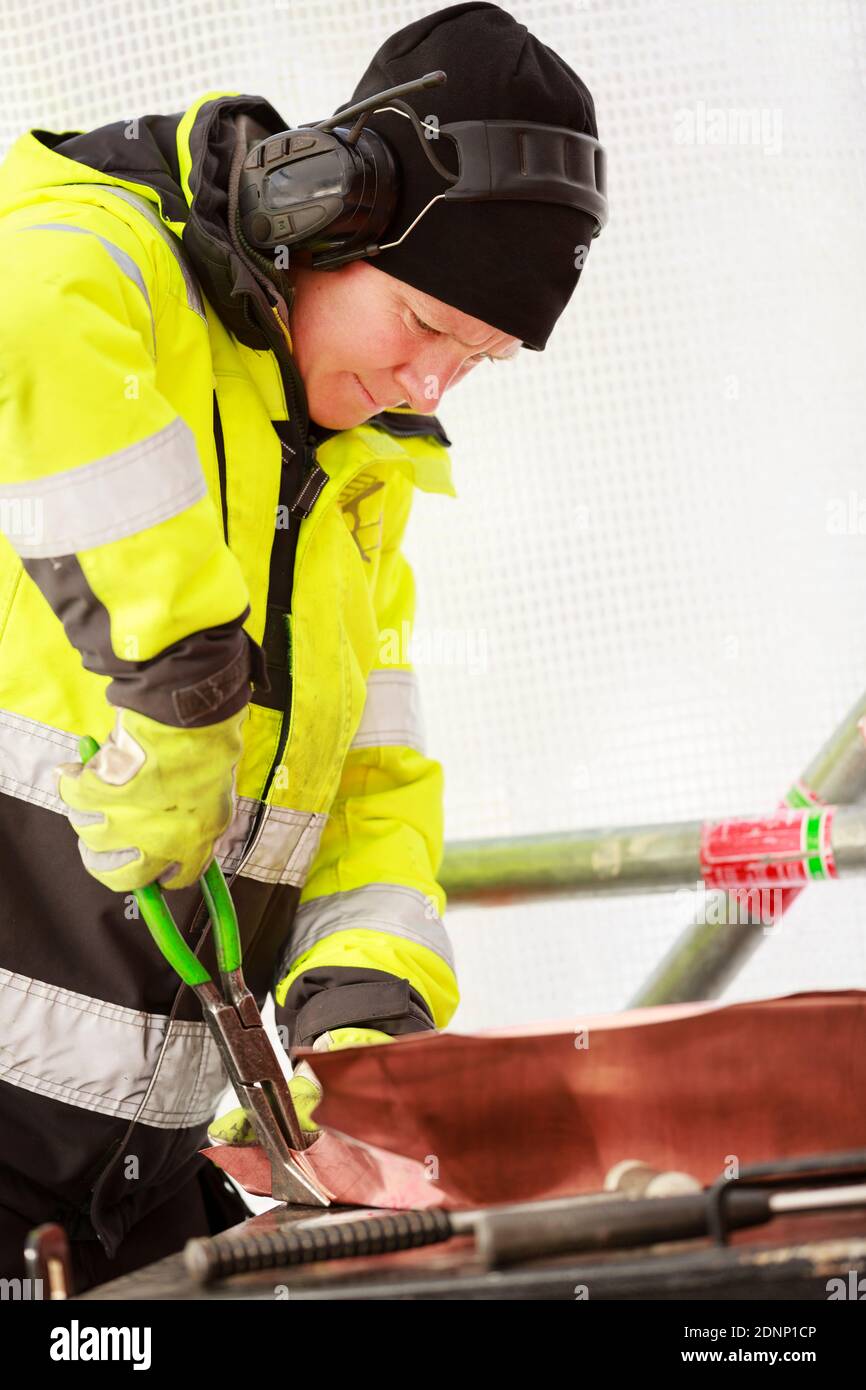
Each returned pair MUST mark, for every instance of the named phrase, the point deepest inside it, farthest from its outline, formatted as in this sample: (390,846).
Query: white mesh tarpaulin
(647,603)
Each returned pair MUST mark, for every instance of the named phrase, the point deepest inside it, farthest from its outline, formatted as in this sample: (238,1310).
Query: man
(167,393)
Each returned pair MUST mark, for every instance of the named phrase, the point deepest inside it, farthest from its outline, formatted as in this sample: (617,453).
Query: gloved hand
(235,1128)
(151,804)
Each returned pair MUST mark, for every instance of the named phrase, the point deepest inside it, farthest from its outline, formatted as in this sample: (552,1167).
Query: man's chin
(341,420)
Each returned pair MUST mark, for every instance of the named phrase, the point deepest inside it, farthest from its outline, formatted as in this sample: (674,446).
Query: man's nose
(427,377)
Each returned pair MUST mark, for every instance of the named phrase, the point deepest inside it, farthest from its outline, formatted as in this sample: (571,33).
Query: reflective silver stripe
(386,907)
(120,258)
(105,500)
(148,210)
(285,846)
(284,849)
(392,713)
(28,752)
(101,1057)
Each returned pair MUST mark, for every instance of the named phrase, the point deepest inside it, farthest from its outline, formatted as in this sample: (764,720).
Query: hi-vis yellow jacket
(160,497)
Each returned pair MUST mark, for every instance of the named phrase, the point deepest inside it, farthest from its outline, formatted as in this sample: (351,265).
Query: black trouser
(205,1205)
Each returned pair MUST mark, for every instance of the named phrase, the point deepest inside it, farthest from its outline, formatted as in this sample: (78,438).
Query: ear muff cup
(311,191)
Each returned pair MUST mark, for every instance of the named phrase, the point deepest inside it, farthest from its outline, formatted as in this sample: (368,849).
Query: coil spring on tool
(216,1257)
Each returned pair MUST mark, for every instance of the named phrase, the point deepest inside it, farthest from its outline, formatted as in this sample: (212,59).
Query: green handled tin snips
(236,1024)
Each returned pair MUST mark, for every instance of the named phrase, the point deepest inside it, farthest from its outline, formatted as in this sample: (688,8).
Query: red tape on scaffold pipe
(734,853)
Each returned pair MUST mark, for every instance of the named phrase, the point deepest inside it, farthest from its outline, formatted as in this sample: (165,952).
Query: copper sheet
(511,1115)
(352,1173)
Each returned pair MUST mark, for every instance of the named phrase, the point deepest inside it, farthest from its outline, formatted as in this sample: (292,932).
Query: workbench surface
(792,1258)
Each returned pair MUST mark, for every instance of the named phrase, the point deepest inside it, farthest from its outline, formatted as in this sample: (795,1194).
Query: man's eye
(478,356)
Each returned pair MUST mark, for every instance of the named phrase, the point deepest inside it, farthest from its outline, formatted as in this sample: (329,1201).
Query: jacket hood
(182,163)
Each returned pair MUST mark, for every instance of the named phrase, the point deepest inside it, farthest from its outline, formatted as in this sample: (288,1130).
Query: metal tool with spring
(236,1025)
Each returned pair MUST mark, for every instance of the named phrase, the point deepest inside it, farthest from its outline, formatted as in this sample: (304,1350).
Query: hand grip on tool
(236,1025)
(162,926)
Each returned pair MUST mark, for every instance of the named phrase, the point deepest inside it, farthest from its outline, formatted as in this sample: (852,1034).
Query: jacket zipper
(313,481)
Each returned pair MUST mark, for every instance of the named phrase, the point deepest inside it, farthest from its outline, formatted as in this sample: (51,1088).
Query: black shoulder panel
(402,424)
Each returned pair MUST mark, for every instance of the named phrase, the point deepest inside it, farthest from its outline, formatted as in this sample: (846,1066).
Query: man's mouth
(364,392)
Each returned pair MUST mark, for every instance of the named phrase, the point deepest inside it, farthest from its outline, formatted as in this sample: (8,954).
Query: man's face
(356,330)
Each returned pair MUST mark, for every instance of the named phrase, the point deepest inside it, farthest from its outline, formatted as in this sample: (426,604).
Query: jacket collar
(181,162)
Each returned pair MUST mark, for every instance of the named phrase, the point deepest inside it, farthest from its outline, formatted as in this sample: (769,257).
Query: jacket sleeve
(368,946)
(102,491)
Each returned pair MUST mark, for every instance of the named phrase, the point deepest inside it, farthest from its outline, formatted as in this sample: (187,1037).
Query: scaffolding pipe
(782,851)
(730,921)
(705,957)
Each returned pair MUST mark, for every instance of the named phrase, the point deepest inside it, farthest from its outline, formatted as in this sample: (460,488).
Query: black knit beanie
(510,263)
